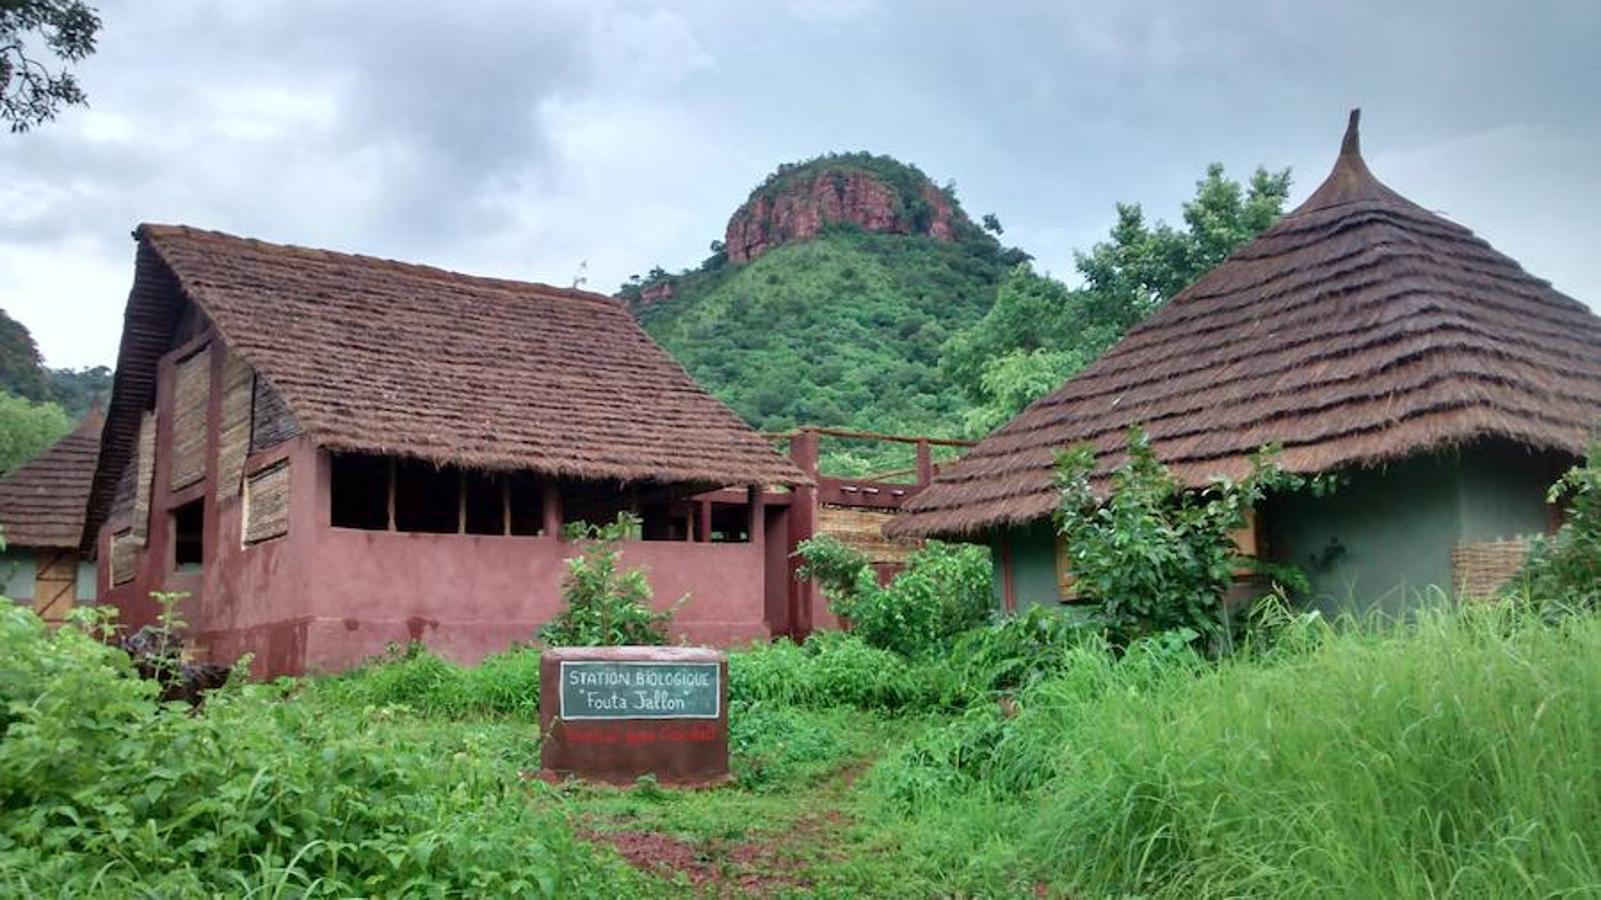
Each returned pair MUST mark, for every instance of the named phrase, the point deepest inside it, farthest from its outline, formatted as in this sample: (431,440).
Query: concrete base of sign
(615,713)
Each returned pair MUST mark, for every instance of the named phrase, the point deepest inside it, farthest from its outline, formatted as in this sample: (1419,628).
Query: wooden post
(802,526)
(552,509)
(758,519)
(461,501)
(925,463)
(703,516)
(1008,588)
(689,521)
(505,504)
(391,493)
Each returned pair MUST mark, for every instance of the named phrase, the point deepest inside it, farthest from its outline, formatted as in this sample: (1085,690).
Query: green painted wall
(17,572)
(1032,550)
(1383,540)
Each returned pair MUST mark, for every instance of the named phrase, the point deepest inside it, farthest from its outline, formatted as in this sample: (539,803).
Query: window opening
(188,536)
(359,491)
(426,498)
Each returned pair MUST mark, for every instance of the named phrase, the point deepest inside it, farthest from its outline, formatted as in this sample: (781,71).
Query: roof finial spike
(1352,145)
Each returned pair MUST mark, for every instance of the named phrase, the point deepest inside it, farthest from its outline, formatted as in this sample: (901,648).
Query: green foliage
(105,792)
(1447,757)
(607,606)
(1155,555)
(1564,571)
(778,746)
(412,678)
(30,93)
(23,373)
(843,330)
(943,591)
(28,429)
(831,669)
(1452,759)
(1037,334)
(1039,331)
(1013,653)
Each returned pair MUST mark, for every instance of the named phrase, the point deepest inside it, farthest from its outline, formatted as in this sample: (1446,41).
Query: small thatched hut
(1369,337)
(41,519)
(330,453)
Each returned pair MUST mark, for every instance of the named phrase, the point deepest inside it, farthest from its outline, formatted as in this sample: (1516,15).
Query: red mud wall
(324,598)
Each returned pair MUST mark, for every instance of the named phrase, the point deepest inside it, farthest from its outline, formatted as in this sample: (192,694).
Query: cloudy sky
(544,140)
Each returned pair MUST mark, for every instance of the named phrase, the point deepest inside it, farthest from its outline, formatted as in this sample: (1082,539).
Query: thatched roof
(386,357)
(42,502)
(1360,328)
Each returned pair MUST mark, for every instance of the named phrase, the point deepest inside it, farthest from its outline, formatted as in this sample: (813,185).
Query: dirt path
(771,852)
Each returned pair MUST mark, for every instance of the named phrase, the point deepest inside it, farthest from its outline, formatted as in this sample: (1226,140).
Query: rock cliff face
(796,208)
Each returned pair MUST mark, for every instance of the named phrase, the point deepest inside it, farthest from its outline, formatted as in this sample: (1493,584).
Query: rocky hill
(876,193)
(829,299)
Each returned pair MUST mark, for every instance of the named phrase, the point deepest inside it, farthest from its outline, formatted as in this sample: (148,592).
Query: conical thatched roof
(1359,328)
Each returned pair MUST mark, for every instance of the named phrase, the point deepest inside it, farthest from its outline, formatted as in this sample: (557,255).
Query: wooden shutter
(267,503)
(55,586)
(144,474)
(233,432)
(191,399)
(1066,586)
(124,556)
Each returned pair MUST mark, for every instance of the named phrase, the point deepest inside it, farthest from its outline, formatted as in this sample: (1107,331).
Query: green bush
(606,606)
(1013,653)
(1564,571)
(1153,554)
(943,591)
(105,792)
(504,684)
(830,669)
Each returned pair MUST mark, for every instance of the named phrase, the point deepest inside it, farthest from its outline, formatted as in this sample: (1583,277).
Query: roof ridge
(158,230)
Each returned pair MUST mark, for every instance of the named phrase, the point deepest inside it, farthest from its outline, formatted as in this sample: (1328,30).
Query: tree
(993,225)
(30,92)
(1154,554)
(1039,331)
(28,429)
(21,367)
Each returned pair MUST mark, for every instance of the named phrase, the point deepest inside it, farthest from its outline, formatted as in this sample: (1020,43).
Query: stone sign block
(615,713)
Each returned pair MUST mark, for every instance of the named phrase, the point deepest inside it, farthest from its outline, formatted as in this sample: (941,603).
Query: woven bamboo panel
(124,556)
(191,398)
(267,504)
(272,423)
(863,530)
(144,473)
(1481,569)
(233,432)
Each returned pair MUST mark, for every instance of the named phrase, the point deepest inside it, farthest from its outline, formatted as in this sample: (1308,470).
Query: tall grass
(1459,755)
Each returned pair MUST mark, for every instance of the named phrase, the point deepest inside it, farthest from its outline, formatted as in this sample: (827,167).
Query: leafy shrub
(944,590)
(1564,571)
(1155,555)
(831,669)
(1013,653)
(104,791)
(779,746)
(504,684)
(606,606)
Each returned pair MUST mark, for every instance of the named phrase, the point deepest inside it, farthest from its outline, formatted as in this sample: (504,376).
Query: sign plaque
(615,713)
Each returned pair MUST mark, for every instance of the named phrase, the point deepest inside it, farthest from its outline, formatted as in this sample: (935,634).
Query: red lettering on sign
(635,735)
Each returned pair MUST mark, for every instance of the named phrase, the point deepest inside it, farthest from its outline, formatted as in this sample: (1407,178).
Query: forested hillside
(39,404)
(860,271)
(850,291)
